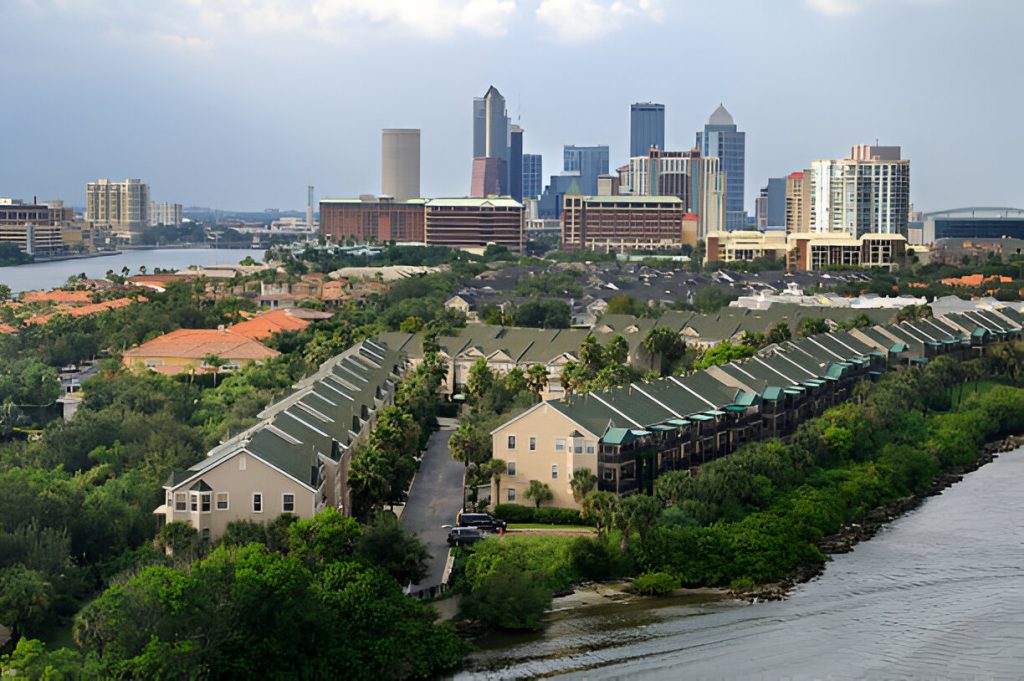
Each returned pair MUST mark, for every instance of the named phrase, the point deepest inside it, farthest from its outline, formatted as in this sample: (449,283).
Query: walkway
(435,498)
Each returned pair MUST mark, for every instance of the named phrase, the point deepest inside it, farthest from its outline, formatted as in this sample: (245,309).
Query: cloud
(838,8)
(577,21)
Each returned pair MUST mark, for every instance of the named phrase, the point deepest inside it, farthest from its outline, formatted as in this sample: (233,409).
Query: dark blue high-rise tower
(722,140)
(646,128)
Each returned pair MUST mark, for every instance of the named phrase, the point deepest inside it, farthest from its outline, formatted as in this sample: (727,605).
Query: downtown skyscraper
(492,144)
(646,128)
(722,140)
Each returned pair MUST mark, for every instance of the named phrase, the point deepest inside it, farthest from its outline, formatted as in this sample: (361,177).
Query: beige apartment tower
(798,217)
(122,206)
(400,163)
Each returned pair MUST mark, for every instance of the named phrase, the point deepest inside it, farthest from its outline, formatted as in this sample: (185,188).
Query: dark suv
(484,521)
(463,536)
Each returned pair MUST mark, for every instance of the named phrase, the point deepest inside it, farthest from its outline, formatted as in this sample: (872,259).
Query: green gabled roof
(835,371)
(618,436)
(200,486)
(736,408)
(745,399)
(659,428)
(678,422)
(898,347)
(979,332)
(795,390)
(772,393)
(701,417)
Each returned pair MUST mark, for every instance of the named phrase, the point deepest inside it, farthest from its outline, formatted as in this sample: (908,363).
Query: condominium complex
(475,223)
(798,201)
(723,140)
(688,175)
(161,213)
(860,195)
(400,163)
(369,219)
(622,223)
(122,206)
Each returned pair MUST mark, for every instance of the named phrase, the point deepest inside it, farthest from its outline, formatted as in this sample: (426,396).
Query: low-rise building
(475,223)
(370,219)
(296,459)
(623,223)
(744,245)
(191,350)
(809,251)
(629,435)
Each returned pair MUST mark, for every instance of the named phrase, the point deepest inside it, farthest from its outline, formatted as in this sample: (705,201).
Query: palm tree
(469,445)
(583,483)
(601,507)
(212,360)
(497,468)
(537,378)
(539,492)
(664,343)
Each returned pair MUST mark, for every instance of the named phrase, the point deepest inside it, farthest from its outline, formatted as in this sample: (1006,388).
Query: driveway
(435,498)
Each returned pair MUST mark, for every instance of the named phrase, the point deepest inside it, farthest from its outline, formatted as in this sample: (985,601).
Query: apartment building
(797,204)
(163,213)
(688,175)
(629,435)
(121,206)
(868,193)
(296,459)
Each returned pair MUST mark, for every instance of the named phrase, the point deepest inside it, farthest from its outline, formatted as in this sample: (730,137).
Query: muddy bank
(850,535)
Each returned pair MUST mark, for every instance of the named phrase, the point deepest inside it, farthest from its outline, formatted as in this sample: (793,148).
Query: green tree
(537,378)
(25,598)
(508,599)
(722,353)
(600,508)
(665,344)
(637,512)
(480,379)
(496,468)
(538,492)
(386,544)
(810,326)
(583,483)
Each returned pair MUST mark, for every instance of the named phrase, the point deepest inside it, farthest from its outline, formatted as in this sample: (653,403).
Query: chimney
(220,327)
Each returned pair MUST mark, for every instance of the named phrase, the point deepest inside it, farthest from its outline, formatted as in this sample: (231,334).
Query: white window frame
(217,499)
(206,499)
(184,501)
(590,447)
(284,503)
(510,469)
(559,444)
(511,441)
(510,493)
(554,471)
(260,495)
(533,444)
(193,502)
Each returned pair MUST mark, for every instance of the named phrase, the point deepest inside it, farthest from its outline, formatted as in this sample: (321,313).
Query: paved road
(435,498)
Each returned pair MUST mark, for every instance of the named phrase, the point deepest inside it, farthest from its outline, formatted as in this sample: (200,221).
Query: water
(938,594)
(46,275)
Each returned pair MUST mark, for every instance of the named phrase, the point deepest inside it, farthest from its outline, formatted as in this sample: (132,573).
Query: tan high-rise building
(122,206)
(868,194)
(400,163)
(797,200)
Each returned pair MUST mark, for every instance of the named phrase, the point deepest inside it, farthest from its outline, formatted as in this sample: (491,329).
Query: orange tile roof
(269,323)
(57,296)
(4,328)
(198,343)
(975,280)
(95,308)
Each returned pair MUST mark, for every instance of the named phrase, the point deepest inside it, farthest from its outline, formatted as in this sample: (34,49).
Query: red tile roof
(198,343)
(57,296)
(269,323)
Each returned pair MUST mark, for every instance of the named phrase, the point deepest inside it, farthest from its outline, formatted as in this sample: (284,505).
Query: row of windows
(579,447)
(204,502)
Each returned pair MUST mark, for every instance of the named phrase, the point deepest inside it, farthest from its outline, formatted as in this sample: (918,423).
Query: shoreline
(850,535)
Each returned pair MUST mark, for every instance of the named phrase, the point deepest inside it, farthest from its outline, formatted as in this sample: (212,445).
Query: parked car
(484,521)
(464,536)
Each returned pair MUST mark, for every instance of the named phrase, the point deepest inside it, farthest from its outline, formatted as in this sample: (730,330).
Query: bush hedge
(517,513)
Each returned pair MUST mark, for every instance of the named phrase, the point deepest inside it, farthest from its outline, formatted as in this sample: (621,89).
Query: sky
(240,104)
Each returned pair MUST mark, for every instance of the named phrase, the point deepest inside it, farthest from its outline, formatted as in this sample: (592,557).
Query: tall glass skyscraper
(722,140)
(589,162)
(646,128)
(492,135)
(533,175)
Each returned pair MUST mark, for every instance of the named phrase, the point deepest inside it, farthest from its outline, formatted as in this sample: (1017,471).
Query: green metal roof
(898,347)
(772,393)
(618,436)
(745,399)
(661,428)
(736,408)
(701,417)
(678,422)
(834,371)
(716,412)
(979,332)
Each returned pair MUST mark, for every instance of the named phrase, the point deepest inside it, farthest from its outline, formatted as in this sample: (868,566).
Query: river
(938,594)
(45,275)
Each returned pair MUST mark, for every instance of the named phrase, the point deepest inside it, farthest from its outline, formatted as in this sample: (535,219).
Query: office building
(533,175)
(744,245)
(369,219)
(162,213)
(550,205)
(771,204)
(646,128)
(121,206)
(722,140)
(688,175)
(400,163)
(622,223)
(589,162)
(475,223)
(488,177)
(973,223)
(492,136)
(808,251)
(515,164)
(798,200)
(860,195)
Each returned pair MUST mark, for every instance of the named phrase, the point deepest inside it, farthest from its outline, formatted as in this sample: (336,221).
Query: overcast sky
(241,103)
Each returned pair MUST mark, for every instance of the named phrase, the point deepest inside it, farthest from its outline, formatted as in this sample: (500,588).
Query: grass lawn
(541,526)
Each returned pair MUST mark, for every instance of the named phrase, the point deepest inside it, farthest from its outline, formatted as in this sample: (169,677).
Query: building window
(179,501)
(241,463)
(609,474)
(257,503)
(554,471)
(590,446)
(205,502)
(510,469)
(533,444)
(194,502)
(511,441)
(559,445)
(511,493)
(222,501)
(288,503)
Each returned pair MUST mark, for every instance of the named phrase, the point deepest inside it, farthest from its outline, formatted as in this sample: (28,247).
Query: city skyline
(213,118)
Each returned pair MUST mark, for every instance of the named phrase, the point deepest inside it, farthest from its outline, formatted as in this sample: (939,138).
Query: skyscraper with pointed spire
(722,140)
(491,140)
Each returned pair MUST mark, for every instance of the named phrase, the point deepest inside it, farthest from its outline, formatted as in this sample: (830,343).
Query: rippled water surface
(938,594)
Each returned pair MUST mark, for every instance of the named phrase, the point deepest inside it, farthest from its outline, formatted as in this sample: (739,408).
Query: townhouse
(629,435)
(296,459)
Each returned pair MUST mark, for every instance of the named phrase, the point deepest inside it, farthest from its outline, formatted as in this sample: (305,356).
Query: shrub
(508,599)
(655,584)
(514,513)
(593,559)
(517,513)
